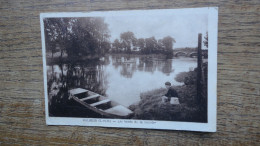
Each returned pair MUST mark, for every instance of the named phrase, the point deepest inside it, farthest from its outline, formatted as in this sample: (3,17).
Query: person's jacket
(171,93)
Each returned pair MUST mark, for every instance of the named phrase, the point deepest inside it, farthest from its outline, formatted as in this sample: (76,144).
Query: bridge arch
(177,54)
(193,54)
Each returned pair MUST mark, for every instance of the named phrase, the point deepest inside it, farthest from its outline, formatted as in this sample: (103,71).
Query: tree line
(89,36)
(128,43)
(77,36)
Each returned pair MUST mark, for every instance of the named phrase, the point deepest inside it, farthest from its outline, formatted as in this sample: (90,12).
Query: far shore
(66,59)
(137,55)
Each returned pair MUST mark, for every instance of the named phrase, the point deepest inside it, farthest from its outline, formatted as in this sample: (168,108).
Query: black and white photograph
(154,69)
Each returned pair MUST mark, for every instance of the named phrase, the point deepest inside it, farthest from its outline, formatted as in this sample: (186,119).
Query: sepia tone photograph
(128,65)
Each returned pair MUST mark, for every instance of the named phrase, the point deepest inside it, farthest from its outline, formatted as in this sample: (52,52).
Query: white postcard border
(147,124)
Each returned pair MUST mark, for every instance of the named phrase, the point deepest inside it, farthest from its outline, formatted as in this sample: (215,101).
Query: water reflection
(121,78)
(131,64)
(89,74)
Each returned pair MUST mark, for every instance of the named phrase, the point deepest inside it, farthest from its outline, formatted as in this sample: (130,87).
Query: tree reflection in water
(88,74)
(129,65)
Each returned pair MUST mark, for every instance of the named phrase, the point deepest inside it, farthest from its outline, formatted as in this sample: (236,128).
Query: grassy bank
(151,108)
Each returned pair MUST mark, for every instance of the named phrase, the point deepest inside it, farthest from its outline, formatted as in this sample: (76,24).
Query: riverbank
(189,110)
(162,56)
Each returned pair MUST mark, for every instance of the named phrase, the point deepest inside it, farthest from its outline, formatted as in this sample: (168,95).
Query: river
(121,78)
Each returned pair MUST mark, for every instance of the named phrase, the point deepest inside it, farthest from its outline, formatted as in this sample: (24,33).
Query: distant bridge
(189,53)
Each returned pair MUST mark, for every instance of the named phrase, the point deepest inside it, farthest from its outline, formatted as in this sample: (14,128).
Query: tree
(205,42)
(116,46)
(161,46)
(56,33)
(168,43)
(77,36)
(128,40)
(91,34)
(168,46)
(141,44)
(151,45)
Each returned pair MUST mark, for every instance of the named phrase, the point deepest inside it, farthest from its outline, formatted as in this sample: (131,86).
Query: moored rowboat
(100,104)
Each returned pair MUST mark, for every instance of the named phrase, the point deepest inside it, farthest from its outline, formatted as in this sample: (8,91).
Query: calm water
(121,78)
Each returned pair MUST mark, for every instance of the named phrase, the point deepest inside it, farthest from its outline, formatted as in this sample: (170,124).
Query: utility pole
(199,70)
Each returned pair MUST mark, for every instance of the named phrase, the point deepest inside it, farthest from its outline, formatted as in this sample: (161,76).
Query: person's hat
(168,83)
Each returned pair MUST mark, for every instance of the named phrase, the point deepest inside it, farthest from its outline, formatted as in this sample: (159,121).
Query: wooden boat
(100,104)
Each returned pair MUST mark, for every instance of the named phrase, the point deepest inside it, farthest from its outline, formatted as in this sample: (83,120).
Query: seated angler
(171,93)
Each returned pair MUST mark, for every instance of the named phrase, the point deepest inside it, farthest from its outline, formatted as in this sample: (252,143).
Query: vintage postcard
(153,69)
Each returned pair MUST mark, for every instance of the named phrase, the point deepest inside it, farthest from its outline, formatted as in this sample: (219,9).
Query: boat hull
(100,104)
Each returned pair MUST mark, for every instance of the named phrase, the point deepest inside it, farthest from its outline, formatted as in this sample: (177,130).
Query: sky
(184,28)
